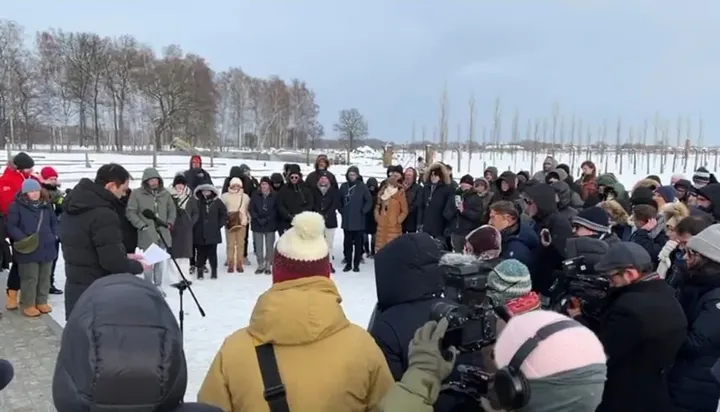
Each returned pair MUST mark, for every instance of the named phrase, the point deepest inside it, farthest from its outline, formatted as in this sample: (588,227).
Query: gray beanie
(707,243)
(510,279)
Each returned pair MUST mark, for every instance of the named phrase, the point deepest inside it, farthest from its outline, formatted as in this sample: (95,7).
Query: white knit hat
(302,251)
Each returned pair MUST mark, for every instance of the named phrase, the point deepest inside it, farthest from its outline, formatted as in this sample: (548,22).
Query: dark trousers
(246,244)
(72,294)
(52,273)
(194,256)
(353,241)
(205,253)
(13,280)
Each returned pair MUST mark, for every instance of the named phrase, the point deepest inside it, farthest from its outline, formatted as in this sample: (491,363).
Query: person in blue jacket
(32,215)
(518,237)
(690,381)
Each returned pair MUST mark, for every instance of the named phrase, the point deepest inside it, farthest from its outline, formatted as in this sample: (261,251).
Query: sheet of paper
(155,254)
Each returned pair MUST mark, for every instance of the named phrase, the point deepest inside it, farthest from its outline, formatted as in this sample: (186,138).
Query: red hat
(48,172)
(302,251)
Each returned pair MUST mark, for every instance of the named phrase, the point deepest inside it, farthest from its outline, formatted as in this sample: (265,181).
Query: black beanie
(23,161)
(594,218)
(467,179)
(179,180)
(394,168)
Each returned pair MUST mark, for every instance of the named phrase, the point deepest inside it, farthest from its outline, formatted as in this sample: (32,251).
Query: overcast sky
(391,58)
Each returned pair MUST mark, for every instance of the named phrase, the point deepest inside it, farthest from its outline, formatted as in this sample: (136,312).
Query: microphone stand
(180,286)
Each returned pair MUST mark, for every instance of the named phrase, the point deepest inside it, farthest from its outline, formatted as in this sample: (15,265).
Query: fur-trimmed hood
(209,187)
(323,158)
(440,169)
(675,210)
(649,183)
(616,211)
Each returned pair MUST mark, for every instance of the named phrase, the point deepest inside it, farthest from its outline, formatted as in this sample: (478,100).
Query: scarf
(181,198)
(577,390)
(323,189)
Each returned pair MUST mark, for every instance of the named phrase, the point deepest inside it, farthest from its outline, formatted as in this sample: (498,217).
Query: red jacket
(10,184)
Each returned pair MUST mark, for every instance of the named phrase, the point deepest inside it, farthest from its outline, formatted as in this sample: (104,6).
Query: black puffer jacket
(691,383)
(97,368)
(565,207)
(408,282)
(91,234)
(197,176)
(327,205)
(293,199)
(471,216)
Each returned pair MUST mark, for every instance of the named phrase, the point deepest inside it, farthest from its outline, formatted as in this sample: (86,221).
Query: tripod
(181,286)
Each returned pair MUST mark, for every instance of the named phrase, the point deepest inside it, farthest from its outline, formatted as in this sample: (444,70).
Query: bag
(274,389)
(234,218)
(30,243)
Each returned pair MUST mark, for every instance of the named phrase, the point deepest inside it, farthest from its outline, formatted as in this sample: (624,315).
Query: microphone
(6,373)
(149,214)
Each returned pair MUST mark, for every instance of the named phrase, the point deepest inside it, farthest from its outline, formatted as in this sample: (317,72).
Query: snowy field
(229,300)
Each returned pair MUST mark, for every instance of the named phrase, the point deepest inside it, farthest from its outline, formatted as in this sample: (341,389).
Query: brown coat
(389,214)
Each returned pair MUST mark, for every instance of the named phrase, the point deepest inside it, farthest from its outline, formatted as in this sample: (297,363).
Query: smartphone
(458,200)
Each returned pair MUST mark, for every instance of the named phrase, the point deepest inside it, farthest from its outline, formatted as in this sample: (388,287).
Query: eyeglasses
(294,177)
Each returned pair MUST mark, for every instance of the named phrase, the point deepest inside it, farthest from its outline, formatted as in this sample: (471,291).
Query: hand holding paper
(152,255)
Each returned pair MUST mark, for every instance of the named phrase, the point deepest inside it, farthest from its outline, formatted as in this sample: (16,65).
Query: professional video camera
(470,313)
(578,281)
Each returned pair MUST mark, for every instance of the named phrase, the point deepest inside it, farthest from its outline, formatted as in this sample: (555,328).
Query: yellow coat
(326,363)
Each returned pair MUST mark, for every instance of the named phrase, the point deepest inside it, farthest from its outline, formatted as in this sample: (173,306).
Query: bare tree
(351,126)
(123,62)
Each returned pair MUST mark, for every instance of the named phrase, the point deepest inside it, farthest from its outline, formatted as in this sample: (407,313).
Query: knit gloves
(427,365)
(664,258)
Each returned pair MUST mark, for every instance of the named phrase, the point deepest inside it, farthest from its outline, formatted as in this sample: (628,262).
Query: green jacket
(160,201)
(414,393)
(607,179)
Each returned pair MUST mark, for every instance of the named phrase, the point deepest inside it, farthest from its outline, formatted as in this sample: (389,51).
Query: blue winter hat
(30,185)
(508,280)
(667,193)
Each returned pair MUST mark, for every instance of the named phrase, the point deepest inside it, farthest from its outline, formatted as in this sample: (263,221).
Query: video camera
(472,322)
(578,280)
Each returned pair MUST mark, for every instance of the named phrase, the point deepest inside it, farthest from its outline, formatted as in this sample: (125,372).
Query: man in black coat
(642,329)
(91,233)
(553,231)
(468,210)
(322,163)
(294,198)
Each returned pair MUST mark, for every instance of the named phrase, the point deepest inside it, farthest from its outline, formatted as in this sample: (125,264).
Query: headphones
(511,385)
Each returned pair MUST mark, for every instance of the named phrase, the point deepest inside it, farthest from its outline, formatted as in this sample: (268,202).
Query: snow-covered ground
(228,301)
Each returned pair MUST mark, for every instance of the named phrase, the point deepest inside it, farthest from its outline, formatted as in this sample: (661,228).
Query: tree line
(79,88)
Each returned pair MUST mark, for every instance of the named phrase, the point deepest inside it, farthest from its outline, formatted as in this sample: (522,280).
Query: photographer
(641,329)
(565,373)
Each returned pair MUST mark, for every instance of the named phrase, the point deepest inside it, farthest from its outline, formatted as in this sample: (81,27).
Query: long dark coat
(212,217)
(182,233)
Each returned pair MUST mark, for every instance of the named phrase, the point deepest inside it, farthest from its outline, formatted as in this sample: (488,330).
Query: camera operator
(641,329)
(564,372)
(593,237)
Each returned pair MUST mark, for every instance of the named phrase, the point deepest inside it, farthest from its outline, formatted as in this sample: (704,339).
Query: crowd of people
(654,347)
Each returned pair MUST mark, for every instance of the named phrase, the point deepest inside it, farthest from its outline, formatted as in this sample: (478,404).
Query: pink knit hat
(565,350)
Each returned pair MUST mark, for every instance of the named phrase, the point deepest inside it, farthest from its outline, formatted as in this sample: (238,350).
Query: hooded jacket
(91,234)
(548,259)
(712,193)
(10,184)
(520,242)
(242,172)
(511,194)
(24,219)
(567,206)
(293,199)
(197,176)
(326,362)
(160,202)
(541,174)
(408,282)
(98,368)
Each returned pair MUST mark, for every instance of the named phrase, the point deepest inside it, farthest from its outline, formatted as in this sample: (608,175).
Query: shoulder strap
(42,213)
(274,392)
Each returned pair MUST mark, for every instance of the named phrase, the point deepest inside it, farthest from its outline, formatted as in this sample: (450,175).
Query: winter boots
(12,300)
